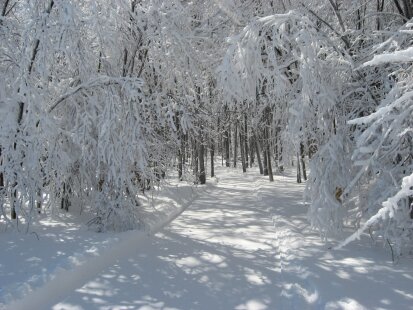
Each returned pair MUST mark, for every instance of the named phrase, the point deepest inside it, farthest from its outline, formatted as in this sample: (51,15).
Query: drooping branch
(99,82)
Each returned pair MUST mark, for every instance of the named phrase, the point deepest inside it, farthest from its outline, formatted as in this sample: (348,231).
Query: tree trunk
(242,144)
(279,153)
(212,152)
(252,151)
(298,169)
(13,213)
(246,140)
(184,150)
(235,144)
(226,142)
(180,162)
(270,174)
(257,149)
(65,202)
(303,161)
(195,161)
(180,149)
(39,201)
(267,138)
(201,159)
(264,154)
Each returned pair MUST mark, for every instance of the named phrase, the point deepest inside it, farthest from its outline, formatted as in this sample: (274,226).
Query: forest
(100,100)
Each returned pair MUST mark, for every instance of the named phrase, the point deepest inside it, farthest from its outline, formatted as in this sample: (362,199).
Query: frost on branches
(78,126)
(385,153)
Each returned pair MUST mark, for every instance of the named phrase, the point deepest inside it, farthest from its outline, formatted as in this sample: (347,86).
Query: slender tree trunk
(280,154)
(252,151)
(257,149)
(267,137)
(184,150)
(201,159)
(246,139)
(298,169)
(303,161)
(235,144)
(242,144)
(265,159)
(13,213)
(180,155)
(212,152)
(180,161)
(39,201)
(270,174)
(195,160)
(227,142)
(221,142)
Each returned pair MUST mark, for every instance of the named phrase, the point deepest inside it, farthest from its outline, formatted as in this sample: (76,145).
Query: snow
(397,56)
(240,243)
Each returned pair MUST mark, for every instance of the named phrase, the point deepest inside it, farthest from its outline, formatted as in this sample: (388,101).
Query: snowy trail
(244,243)
(221,253)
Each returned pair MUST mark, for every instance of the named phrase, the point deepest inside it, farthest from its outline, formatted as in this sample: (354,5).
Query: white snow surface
(240,243)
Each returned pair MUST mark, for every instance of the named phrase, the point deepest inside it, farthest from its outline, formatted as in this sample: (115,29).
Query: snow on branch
(397,56)
(98,82)
(389,208)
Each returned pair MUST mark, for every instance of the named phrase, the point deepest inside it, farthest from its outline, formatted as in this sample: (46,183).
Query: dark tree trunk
(252,151)
(39,201)
(235,144)
(65,202)
(265,159)
(212,152)
(181,158)
(201,159)
(257,149)
(243,160)
(298,169)
(268,145)
(195,161)
(13,213)
(269,165)
(184,150)
(180,164)
(303,161)
(279,154)
(246,139)
(226,142)
(180,149)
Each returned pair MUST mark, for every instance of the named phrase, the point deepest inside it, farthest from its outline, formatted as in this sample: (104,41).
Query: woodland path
(244,243)
(223,252)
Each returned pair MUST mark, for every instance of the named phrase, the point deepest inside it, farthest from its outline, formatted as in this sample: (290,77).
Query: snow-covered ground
(242,243)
